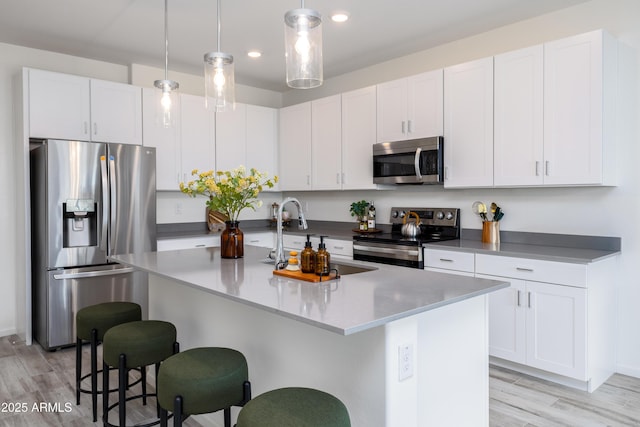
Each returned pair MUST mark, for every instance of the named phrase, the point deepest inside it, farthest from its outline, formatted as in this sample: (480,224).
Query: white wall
(593,211)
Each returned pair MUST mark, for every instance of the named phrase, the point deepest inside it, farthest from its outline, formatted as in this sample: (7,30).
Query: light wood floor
(30,375)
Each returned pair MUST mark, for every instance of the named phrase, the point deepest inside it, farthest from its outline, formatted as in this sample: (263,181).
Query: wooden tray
(307,277)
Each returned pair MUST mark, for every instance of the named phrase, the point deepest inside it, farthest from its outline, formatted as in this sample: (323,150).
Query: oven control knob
(402,214)
(449,216)
(394,214)
(440,215)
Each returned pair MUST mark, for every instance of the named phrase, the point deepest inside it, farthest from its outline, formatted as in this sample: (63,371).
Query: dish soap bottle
(308,257)
(322,259)
(371,225)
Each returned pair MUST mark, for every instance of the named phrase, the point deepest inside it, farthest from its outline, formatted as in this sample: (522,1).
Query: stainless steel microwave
(416,161)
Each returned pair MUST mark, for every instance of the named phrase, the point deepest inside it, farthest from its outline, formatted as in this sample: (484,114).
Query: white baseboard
(7,332)
(632,371)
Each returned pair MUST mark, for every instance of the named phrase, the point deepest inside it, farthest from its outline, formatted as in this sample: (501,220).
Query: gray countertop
(351,304)
(520,250)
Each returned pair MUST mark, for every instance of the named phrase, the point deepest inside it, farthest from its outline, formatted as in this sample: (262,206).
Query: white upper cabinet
(59,106)
(518,121)
(116,112)
(247,136)
(410,108)
(182,148)
(262,140)
(326,143)
(358,137)
(579,104)
(231,138)
(468,118)
(78,108)
(197,136)
(295,147)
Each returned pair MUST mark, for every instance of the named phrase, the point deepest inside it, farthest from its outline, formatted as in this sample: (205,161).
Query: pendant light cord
(219,20)
(166,40)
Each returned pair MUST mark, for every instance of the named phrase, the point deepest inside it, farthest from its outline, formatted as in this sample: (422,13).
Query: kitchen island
(399,346)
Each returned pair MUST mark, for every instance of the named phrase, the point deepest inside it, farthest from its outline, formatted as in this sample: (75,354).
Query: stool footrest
(99,372)
(139,396)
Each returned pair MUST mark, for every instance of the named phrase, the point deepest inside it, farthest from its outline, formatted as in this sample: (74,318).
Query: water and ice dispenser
(80,223)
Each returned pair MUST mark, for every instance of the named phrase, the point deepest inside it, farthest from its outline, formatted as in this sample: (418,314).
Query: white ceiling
(132,31)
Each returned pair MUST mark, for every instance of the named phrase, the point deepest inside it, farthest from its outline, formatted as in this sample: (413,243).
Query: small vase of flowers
(229,192)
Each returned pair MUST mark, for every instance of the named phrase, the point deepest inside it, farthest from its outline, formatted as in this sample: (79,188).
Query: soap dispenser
(322,259)
(308,257)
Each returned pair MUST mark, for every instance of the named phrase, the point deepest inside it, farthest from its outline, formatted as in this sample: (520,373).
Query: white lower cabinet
(206,241)
(265,239)
(557,320)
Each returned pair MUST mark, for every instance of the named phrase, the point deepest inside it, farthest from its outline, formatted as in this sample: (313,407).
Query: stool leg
(78,368)
(227,417)
(164,416)
(177,412)
(94,373)
(122,379)
(157,401)
(105,396)
(143,376)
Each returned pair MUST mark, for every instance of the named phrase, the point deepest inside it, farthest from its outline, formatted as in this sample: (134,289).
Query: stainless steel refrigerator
(88,201)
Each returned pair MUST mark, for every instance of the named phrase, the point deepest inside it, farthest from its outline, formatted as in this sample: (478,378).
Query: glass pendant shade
(167,101)
(167,96)
(219,81)
(303,48)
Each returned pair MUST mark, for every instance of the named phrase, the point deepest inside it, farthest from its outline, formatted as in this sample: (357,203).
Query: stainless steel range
(401,246)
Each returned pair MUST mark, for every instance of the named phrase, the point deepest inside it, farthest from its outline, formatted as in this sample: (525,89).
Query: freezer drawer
(69,290)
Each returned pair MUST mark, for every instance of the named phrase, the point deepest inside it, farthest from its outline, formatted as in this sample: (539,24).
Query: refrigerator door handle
(113,196)
(96,273)
(105,203)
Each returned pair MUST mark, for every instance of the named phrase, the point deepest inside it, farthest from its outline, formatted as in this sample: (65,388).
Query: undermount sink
(345,269)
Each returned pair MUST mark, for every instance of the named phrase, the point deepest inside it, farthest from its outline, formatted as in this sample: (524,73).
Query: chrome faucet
(281,260)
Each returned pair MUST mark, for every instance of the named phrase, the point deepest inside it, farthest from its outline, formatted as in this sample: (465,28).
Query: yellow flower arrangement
(229,191)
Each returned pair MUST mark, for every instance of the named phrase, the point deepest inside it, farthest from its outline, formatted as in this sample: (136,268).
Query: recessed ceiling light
(340,17)
(254,54)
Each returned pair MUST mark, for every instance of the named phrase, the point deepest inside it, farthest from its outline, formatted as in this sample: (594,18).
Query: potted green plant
(359,209)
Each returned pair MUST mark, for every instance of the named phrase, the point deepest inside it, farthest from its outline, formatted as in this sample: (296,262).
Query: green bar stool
(202,380)
(294,407)
(91,324)
(129,346)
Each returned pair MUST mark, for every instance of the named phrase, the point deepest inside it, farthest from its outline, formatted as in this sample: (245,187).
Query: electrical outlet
(405,361)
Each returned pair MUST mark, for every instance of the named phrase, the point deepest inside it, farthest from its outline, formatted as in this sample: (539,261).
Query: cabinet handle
(537,168)
(308,180)
(254,241)
(446,173)
(529,299)
(446,260)
(403,127)
(409,127)
(546,168)
(338,247)
(200,245)
(530,270)
(338,178)
(518,297)
(86,130)
(343,177)
(95,128)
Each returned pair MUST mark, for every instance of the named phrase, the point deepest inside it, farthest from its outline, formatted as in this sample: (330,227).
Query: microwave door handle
(416,163)
(105,202)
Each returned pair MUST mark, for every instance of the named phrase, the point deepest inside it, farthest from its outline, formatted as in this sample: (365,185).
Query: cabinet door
(326,143)
(556,329)
(507,322)
(58,106)
(116,112)
(197,136)
(165,140)
(468,132)
(231,138)
(425,105)
(295,147)
(518,127)
(262,140)
(358,137)
(392,111)
(574,99)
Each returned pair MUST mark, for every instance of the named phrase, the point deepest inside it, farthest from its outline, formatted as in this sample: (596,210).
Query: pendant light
(219,84)
(167,95)
(303,47)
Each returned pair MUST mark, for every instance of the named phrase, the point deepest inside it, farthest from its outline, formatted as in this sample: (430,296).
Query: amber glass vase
(232,241)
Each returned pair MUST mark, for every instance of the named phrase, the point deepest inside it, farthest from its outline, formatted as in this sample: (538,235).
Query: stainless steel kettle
(411,229)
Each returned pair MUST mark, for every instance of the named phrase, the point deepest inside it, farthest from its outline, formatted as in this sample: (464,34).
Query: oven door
(408,162)
(395,253)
